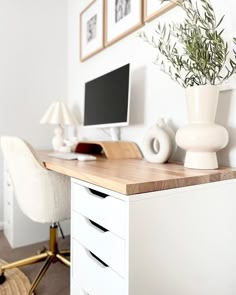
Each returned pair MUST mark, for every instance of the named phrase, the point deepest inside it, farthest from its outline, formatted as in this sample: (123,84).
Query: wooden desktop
(135,176)
(141,228)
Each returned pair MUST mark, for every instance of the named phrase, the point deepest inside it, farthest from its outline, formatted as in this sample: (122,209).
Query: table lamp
(58,114)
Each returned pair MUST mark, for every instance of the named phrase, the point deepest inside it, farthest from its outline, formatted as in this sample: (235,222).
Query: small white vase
(202,138)
(159,143)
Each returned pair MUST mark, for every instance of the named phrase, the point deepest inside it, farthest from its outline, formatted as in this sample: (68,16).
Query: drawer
(8,191)
(107,211)
(8,180)
(75,289)
(106,245)
(93,276)
(7,215)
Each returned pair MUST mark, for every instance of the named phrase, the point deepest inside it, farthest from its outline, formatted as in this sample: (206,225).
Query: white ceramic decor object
(202,138)
(58,138)
(159,143)
(60,115)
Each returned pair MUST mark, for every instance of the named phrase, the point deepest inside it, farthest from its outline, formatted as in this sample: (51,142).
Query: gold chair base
(50,256)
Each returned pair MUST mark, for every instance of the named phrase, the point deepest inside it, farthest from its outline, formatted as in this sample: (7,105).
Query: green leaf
(193,52)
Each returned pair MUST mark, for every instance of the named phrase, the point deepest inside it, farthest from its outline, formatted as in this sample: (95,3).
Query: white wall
(33,72)
(33,67)
(153,94)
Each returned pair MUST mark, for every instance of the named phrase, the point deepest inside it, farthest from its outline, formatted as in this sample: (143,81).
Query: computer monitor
(107,99)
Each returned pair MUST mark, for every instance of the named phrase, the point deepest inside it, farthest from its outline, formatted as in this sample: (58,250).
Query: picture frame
(153,9)
(122,17)
(92,29)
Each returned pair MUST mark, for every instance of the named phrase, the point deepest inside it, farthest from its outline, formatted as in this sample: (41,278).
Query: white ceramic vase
(202,138)
(159,143)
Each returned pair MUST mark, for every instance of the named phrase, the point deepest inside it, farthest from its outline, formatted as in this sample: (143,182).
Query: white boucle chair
(43,196)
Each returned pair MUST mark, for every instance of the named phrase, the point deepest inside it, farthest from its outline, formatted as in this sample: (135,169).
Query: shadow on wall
(77,113)
(225,156)
(223,108)
(179,154)
(73,131)
(222,118)
(137,96)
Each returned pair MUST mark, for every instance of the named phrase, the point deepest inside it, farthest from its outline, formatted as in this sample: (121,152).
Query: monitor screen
(107,99)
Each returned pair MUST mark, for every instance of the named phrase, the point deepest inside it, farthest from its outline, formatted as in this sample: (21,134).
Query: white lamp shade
(58,113)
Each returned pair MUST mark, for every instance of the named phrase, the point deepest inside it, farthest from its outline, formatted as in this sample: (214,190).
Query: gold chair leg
(51,256)
(64,252)
(26,261)
(63,260)
(41,274)
(53,239)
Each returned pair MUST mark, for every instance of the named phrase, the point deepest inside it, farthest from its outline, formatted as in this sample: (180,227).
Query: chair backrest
(43,195)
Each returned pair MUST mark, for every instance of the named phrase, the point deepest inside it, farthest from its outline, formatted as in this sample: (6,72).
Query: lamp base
(58,139)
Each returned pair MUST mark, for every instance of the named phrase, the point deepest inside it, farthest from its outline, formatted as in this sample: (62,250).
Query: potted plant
(195,55)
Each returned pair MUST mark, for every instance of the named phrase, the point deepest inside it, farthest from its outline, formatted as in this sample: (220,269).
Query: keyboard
(72,156)
(64,156)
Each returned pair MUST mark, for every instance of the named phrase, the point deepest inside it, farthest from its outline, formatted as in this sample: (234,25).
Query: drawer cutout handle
(97,193)
(98,259)
(98,226)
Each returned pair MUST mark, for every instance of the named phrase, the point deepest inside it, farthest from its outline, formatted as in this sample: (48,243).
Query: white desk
(157,229)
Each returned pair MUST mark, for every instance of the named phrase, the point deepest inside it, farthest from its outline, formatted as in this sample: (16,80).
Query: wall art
(92,29)
(122,17)
(154,8)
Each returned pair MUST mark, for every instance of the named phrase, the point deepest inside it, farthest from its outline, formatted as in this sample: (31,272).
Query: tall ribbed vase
(202,138)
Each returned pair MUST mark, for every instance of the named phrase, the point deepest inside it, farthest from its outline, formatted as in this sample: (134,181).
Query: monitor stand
(114,133)
(110,149)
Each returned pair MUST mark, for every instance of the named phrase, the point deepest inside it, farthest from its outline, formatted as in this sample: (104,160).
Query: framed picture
(92,29)
(122,17)
(154,8)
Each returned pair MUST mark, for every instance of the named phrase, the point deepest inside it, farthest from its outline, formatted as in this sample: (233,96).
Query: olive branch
(193,52)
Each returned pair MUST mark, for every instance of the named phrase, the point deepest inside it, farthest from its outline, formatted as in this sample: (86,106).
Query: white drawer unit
(76,289)
(174,242)
(92,275)
(8,204)
(109,247)
(105,210)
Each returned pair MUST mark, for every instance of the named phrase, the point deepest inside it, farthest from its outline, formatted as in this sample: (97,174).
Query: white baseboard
(1,225)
